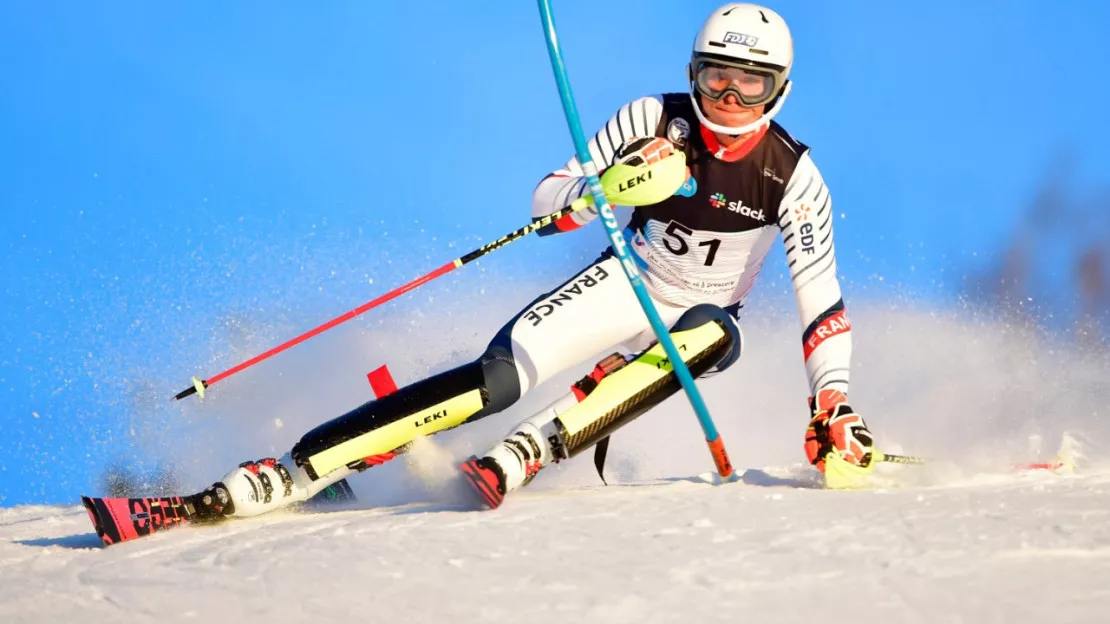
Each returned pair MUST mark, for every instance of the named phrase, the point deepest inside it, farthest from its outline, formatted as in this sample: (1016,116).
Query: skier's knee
(705,313)
(501,380)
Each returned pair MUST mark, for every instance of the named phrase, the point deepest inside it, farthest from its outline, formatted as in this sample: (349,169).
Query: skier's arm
(556,191)
(806,221)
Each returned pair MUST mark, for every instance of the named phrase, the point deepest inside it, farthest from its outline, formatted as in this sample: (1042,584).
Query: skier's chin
(732,119)
(729,112)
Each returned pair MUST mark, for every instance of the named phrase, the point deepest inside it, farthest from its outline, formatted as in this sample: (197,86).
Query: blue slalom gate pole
(620,248)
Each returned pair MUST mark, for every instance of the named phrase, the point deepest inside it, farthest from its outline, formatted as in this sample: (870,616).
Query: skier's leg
(593,311)
(613,394)
(372,433)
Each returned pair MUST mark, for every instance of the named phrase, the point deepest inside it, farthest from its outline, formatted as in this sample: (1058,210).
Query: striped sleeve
(556,191)
(806,222)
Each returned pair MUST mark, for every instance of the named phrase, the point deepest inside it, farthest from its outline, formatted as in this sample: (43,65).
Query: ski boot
(535,443)
(257,487)
(511,463)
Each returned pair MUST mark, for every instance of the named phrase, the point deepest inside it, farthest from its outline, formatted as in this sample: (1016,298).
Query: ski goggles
(751,85)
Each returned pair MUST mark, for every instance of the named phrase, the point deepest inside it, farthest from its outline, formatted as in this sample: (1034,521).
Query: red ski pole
(199,385)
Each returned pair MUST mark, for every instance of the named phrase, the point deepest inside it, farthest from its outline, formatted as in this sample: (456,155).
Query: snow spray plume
(659,181)
(956,385)
(122,481)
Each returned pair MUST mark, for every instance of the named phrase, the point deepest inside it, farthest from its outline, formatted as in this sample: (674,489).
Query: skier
(699,256)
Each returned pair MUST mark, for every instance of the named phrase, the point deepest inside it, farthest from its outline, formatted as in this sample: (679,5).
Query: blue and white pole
(620,248)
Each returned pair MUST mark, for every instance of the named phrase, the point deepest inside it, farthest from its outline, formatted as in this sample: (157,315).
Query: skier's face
(728,111)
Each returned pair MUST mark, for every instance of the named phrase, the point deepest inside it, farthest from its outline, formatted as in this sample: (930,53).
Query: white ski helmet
(742,42)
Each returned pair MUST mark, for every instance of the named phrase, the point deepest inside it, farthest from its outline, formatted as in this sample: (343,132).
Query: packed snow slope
(963,539)
(1034,548)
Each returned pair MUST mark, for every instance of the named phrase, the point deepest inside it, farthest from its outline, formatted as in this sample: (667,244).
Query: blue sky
(167,165)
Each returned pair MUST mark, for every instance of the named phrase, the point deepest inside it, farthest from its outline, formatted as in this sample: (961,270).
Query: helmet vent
(717,44)
(765,20)
(755,51)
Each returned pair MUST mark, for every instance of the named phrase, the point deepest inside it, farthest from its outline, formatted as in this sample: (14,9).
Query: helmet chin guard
(745,129)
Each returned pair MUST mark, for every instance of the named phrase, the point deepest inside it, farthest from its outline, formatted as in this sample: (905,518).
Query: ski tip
(483,481)
(94,517)
(122,519)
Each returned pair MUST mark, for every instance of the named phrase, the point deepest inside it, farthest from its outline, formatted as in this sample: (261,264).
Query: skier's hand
(836,427)
(626,182)
(642,151)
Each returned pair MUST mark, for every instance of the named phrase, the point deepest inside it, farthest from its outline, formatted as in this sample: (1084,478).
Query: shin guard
(639,385)
(383,427)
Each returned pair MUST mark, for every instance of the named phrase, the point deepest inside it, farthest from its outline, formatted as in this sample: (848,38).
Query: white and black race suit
(707,248)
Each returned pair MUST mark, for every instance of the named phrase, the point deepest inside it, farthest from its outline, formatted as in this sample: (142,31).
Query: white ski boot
(533,444)
(258,487)
(516,460)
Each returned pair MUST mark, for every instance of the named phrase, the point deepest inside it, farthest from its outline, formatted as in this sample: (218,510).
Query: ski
(117,520)
(123,519)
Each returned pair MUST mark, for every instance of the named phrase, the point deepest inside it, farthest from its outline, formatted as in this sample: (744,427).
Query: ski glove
(836,427)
